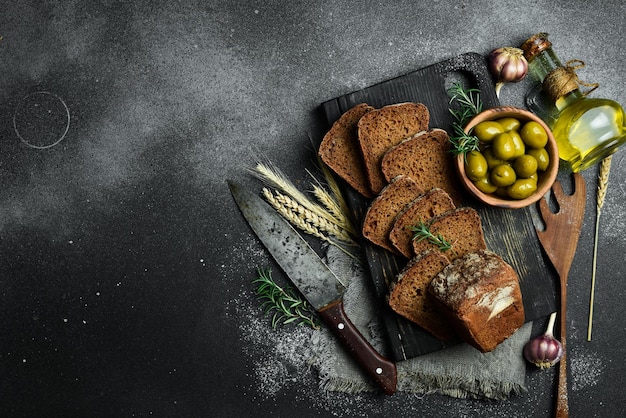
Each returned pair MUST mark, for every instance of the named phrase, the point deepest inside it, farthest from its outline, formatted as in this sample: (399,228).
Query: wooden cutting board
(509,233)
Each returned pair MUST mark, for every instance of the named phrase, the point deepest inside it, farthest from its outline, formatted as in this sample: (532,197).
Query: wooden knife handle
(380,369)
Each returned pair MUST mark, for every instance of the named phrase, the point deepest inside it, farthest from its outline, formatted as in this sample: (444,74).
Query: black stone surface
(125,268)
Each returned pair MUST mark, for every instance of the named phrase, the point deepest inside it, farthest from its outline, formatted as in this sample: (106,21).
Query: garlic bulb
(507,65)
(544,351)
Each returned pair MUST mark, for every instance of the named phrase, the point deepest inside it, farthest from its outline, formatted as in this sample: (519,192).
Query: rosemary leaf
(470,105)
(287,306)
(423,232)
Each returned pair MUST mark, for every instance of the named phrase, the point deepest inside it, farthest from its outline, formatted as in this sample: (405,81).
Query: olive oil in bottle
(586,129)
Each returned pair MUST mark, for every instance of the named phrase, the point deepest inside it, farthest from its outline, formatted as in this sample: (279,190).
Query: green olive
(525,166)
(535,177)
(475,165)
(534,135)
(522,188)
(542,157)
(509,124)
(485,185)
(518,144)
(487,130)
(492,161)
(502,192)
(503,146)
(503,175)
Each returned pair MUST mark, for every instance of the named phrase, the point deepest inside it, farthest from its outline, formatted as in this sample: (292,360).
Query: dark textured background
(125,267)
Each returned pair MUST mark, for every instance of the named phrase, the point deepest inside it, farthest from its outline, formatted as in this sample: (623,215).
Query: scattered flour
(280,356)
(587,368)
(281,362)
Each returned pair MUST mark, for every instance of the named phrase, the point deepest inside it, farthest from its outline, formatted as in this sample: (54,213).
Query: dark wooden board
(510,233)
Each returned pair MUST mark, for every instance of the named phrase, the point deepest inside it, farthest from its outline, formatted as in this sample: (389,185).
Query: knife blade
(317,283)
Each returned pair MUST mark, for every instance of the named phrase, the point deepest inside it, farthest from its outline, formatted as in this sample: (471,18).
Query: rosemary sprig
(470,105)
(468,100)
(423,232)
(287,307)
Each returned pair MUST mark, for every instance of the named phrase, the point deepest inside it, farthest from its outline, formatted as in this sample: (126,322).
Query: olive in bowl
(517,160)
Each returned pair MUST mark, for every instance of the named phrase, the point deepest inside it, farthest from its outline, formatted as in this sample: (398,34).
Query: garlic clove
(507,65)
(544,351)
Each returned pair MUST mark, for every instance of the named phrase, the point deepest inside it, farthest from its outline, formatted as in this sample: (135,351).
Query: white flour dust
(587,368)
(280,356)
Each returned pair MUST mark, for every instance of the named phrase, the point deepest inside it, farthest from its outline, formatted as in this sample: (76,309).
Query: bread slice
(427,159)
(384,128)
(381,213)
(341,152)
(460,227)
(480,295)
(426,207)
(409,295)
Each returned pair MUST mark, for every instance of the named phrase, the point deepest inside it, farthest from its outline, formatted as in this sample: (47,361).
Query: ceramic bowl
(546,178)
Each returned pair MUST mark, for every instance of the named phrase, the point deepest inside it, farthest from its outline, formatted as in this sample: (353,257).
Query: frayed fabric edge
(460,388)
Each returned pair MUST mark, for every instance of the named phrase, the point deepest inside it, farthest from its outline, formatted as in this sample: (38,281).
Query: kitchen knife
(319,285)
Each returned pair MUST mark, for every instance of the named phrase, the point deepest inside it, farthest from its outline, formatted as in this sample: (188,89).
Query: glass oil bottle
(586,129)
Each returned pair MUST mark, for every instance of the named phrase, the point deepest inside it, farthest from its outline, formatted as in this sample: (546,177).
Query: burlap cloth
(460,371)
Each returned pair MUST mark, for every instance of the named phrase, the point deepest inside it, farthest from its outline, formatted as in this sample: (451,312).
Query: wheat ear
(292,217)
(272,176)
(312,218)
(334,188)
(297,219)
(603,183)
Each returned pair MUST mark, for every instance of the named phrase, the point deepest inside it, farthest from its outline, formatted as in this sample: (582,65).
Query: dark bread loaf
(384,128)
(426,207)
(427,159)
(341,152)
(460,227)
(383,210)
(409,295)
(480,295)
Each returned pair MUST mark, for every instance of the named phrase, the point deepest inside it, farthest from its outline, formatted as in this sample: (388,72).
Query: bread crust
(426,207)
(383,128)
(460,227)
(409,296)
(341,152)
(426,158)
(480,295)
(379,218)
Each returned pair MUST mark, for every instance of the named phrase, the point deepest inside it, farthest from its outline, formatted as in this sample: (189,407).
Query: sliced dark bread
(382,212)
(341,152)
(427,159)
(384,128)
(479,293)
(461,227)
(409,295)
(426,207)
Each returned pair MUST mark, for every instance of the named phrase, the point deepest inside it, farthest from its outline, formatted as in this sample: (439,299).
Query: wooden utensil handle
(562,406)
(380,369)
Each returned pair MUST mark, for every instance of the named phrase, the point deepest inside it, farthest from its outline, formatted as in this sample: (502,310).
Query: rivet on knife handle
(377,367)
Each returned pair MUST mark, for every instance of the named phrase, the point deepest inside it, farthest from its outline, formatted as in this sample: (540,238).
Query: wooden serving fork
(559,239)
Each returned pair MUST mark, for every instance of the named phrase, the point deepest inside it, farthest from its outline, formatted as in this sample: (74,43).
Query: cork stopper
(535,45)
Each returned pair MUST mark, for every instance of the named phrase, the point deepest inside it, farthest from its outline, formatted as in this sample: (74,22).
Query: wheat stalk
(297,216)
(292,217)
(272,176)
(603,183)
(336,206)
(343,211)
(312,218)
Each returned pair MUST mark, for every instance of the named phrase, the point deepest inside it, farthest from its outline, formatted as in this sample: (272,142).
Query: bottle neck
(556,80)
(543,64)
(566,100)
